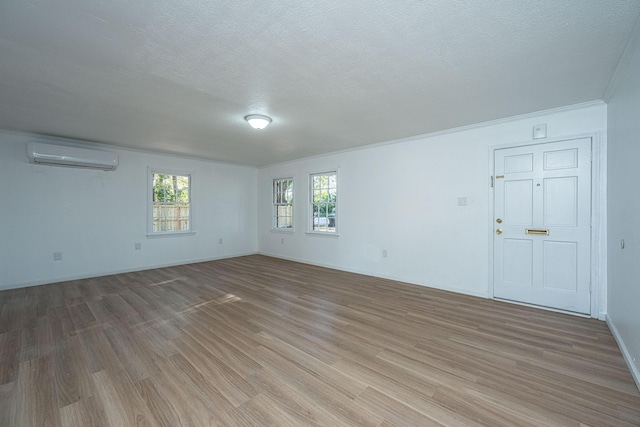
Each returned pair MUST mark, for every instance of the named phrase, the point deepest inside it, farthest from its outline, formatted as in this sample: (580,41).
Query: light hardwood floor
(262,341)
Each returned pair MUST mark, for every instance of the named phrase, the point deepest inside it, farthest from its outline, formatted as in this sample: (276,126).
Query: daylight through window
(171,203)
(324,197)
(283,203)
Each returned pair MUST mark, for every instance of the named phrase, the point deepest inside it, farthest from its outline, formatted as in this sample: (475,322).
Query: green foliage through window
(283,203)
(170,188)
(171,202)
(324,197)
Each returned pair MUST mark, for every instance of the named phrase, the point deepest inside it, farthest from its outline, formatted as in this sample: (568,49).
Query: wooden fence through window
(171,217)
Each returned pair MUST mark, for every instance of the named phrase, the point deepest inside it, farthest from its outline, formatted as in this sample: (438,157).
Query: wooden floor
(261,341)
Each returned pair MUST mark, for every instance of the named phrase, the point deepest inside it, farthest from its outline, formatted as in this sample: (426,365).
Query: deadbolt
(499,220)
(499,231)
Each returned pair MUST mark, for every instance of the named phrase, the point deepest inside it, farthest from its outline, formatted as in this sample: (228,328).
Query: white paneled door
(542,225)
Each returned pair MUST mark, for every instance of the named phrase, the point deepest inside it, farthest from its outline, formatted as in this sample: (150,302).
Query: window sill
(283,230)
(321,234)
(171,234)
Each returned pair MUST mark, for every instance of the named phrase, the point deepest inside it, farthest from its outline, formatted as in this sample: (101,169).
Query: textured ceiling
(179,76)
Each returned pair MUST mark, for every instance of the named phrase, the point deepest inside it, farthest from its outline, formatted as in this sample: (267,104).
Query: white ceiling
(179,76)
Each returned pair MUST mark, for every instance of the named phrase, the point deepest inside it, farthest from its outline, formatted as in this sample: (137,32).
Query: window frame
(275,204)
(150,202)
(310,214)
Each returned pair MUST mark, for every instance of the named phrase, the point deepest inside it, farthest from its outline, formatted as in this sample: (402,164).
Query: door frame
(598,273)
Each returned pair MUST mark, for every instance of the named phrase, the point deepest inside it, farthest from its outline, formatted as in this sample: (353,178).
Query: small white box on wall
(540,131)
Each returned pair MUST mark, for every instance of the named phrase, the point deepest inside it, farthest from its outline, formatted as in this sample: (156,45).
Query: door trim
(598,272)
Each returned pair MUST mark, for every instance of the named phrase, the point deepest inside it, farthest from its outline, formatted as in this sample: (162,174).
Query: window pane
(283,203)
(171,207)
(324,194)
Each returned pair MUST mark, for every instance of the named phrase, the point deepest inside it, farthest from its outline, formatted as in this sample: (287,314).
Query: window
(324,196)
(283,203)
(171,203)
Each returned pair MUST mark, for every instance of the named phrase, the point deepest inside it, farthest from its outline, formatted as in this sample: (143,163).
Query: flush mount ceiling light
(258,121)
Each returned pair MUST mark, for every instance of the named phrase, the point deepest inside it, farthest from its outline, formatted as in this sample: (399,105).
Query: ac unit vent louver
(59,155)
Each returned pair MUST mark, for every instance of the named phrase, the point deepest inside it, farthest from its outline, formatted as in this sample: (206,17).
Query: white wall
(624,213)
(403,197)
(94,217)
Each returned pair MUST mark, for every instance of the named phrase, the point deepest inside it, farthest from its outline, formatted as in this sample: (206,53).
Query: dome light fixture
(258,121)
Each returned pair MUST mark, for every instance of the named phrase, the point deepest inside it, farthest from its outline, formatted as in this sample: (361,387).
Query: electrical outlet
(463,201)
(282,240)
(57,256)
(384,253)
(138,246)
(219,241)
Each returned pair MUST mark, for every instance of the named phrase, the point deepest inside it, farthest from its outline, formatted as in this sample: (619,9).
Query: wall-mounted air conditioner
(59,155)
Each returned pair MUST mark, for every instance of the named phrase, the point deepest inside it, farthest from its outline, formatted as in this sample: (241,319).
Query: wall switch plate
(282,240)
(384,253)
(540,131)
(463,201)
(57,256)
(219,241)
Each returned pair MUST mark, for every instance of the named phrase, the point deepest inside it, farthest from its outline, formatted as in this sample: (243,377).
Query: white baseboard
(365,273)
(635,373)
(110,273)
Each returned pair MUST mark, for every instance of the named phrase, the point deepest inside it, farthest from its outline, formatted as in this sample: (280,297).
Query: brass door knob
(499,231)
(499,220)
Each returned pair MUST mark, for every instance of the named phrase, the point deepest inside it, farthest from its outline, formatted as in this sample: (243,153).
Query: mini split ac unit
(59,155)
